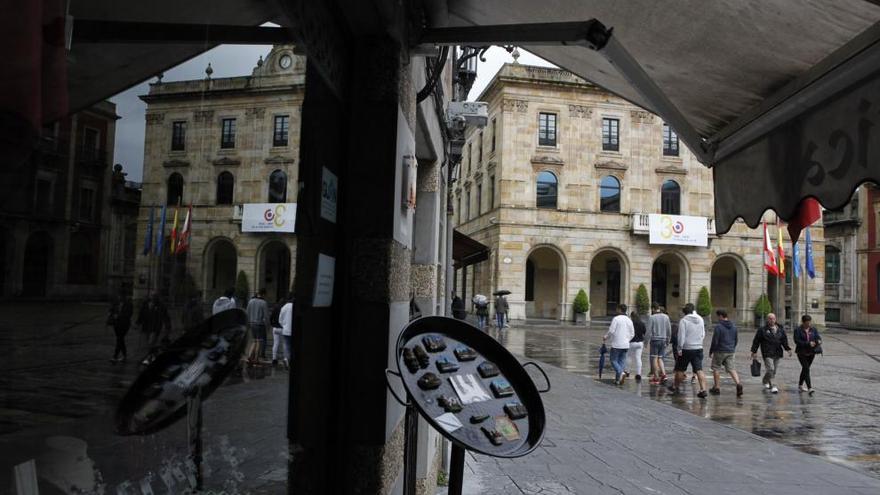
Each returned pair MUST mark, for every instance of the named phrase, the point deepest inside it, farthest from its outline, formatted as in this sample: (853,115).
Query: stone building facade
(56,231)
(217,144)
(559,186)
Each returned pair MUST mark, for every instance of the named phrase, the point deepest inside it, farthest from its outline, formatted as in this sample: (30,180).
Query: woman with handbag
(807,343)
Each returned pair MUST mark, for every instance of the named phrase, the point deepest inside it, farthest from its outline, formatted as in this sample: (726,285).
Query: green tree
(581,302)
(242,288)
(704,303)
(762,307)
(642,300)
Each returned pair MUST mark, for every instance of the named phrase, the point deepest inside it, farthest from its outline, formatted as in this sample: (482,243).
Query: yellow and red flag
(781,261)
(185,231)
(174,232)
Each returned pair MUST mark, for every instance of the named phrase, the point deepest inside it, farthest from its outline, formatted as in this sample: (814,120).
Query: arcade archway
(221,267)
(608,283)
(274,270)
(545,283)
(729,286)
(669,282)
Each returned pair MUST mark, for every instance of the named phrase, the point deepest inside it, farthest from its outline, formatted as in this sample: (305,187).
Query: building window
(90,144)
(832,315)
(546,190)
(610,134)
(479,199)
(460,208)
(832,265)
(467,205)
(225,188)
(469,159)
(480,149)
(43,193)
(86,203)
(278,187)
(546,129)
(609,194)
(494,127)
(491,192)
(530,280)
(788,270)
(670,198)
(877,281)
(670,141)
(227,135)
(281,130)
(175,189)
(178,136)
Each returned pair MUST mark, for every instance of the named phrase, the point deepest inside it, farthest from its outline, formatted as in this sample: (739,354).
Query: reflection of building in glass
(65,227)
(218,144)
(573,173)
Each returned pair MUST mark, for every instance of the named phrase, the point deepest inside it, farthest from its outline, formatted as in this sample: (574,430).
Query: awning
(467,251)
(783,97)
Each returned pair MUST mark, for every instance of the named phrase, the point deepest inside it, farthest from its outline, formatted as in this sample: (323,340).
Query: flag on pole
(183,241)
(173,245)
(160,238)
(781,260)
(148,238)
(795,260)
(770,256)
(811,268)
(808,212)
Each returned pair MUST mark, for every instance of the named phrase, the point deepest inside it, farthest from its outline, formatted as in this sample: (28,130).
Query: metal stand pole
(456,470)
(411,442)
(194,434)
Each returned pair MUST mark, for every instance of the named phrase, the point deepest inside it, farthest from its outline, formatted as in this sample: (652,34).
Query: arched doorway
(274,270)
(221,267)
(728,287)
(37,257)
(669,282)
(545,282)
(607,283)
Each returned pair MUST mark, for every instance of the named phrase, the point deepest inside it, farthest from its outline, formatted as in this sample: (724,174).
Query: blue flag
(148,238)
(160,238)
(795,260)
(811,268)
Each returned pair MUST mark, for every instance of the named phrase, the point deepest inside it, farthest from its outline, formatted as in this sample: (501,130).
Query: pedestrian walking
(277,331)
(691,332)
(481,304)
(153,319)
(636,345)
(659,335)
(771,338)
(285,317)
(258,320)
(121,314)
(621,332)
(224,302)
(807,343)
(501,308)
(459,312)
(722,352)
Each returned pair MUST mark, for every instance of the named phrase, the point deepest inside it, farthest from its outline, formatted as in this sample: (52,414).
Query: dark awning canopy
(467,251)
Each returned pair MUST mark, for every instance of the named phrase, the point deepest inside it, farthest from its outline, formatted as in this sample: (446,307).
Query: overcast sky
(239,60)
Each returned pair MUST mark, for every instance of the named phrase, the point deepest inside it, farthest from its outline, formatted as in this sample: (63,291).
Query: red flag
(183,241)
(769,254)
(808,212)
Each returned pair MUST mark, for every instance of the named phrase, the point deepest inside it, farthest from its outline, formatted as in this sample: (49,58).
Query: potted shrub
(581,306)
(642,300)
(704,304)
(762,309)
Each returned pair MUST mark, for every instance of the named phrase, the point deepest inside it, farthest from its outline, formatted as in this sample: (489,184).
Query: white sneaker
(774,390)
(767,386)
(803,388)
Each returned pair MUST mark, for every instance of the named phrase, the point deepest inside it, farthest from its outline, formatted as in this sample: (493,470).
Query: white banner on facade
(268,217)
(678,229)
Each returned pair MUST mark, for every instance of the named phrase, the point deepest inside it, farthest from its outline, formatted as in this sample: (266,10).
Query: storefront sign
(323,296)
(268,217)
(678,229)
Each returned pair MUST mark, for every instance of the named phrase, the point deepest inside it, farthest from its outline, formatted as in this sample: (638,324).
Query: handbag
(756,367)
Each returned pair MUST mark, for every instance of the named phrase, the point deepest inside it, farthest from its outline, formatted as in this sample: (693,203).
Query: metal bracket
(391,389)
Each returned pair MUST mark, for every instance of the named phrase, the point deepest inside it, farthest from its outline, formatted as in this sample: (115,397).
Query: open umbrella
(480,299)
(602,351)
(502,292)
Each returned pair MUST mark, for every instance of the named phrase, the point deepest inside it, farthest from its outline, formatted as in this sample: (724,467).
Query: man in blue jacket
(722,351)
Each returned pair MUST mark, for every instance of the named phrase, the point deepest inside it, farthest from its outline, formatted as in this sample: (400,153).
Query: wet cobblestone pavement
(840,422)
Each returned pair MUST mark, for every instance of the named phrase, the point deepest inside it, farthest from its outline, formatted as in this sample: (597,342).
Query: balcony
(640,224)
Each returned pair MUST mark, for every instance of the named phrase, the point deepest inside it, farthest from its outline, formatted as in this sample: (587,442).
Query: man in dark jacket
(153,318)
(771,338)
(722,351)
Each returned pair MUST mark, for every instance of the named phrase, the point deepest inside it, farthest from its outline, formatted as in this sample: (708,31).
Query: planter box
(580,318)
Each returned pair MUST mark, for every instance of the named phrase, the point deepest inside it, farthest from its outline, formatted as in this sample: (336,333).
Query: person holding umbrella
(481,304)
(501,307)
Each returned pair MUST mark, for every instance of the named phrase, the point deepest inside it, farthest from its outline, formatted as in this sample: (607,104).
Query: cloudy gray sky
(239,60)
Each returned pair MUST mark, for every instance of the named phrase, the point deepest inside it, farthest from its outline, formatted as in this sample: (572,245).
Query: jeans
(276,342)
(636,355)
(481,321)
(499,320)
(120,331)
(618,362)
(770,365)
(806,362)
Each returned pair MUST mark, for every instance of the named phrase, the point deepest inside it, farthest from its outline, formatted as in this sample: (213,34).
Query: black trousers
(806,362)
(120,331)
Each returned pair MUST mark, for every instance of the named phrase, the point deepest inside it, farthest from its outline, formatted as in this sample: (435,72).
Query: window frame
(538,182)
(269,196)
(93,193)
(494,127)
(168,199)
(491,191)
(610,134)
(281,136)
(178,139)
(480,150)
(671,143)
(231,192)
(619,189)
(665,196)
(227,136)
(544,127)
(834,268)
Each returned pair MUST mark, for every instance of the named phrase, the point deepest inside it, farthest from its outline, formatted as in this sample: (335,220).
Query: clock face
(285,61)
